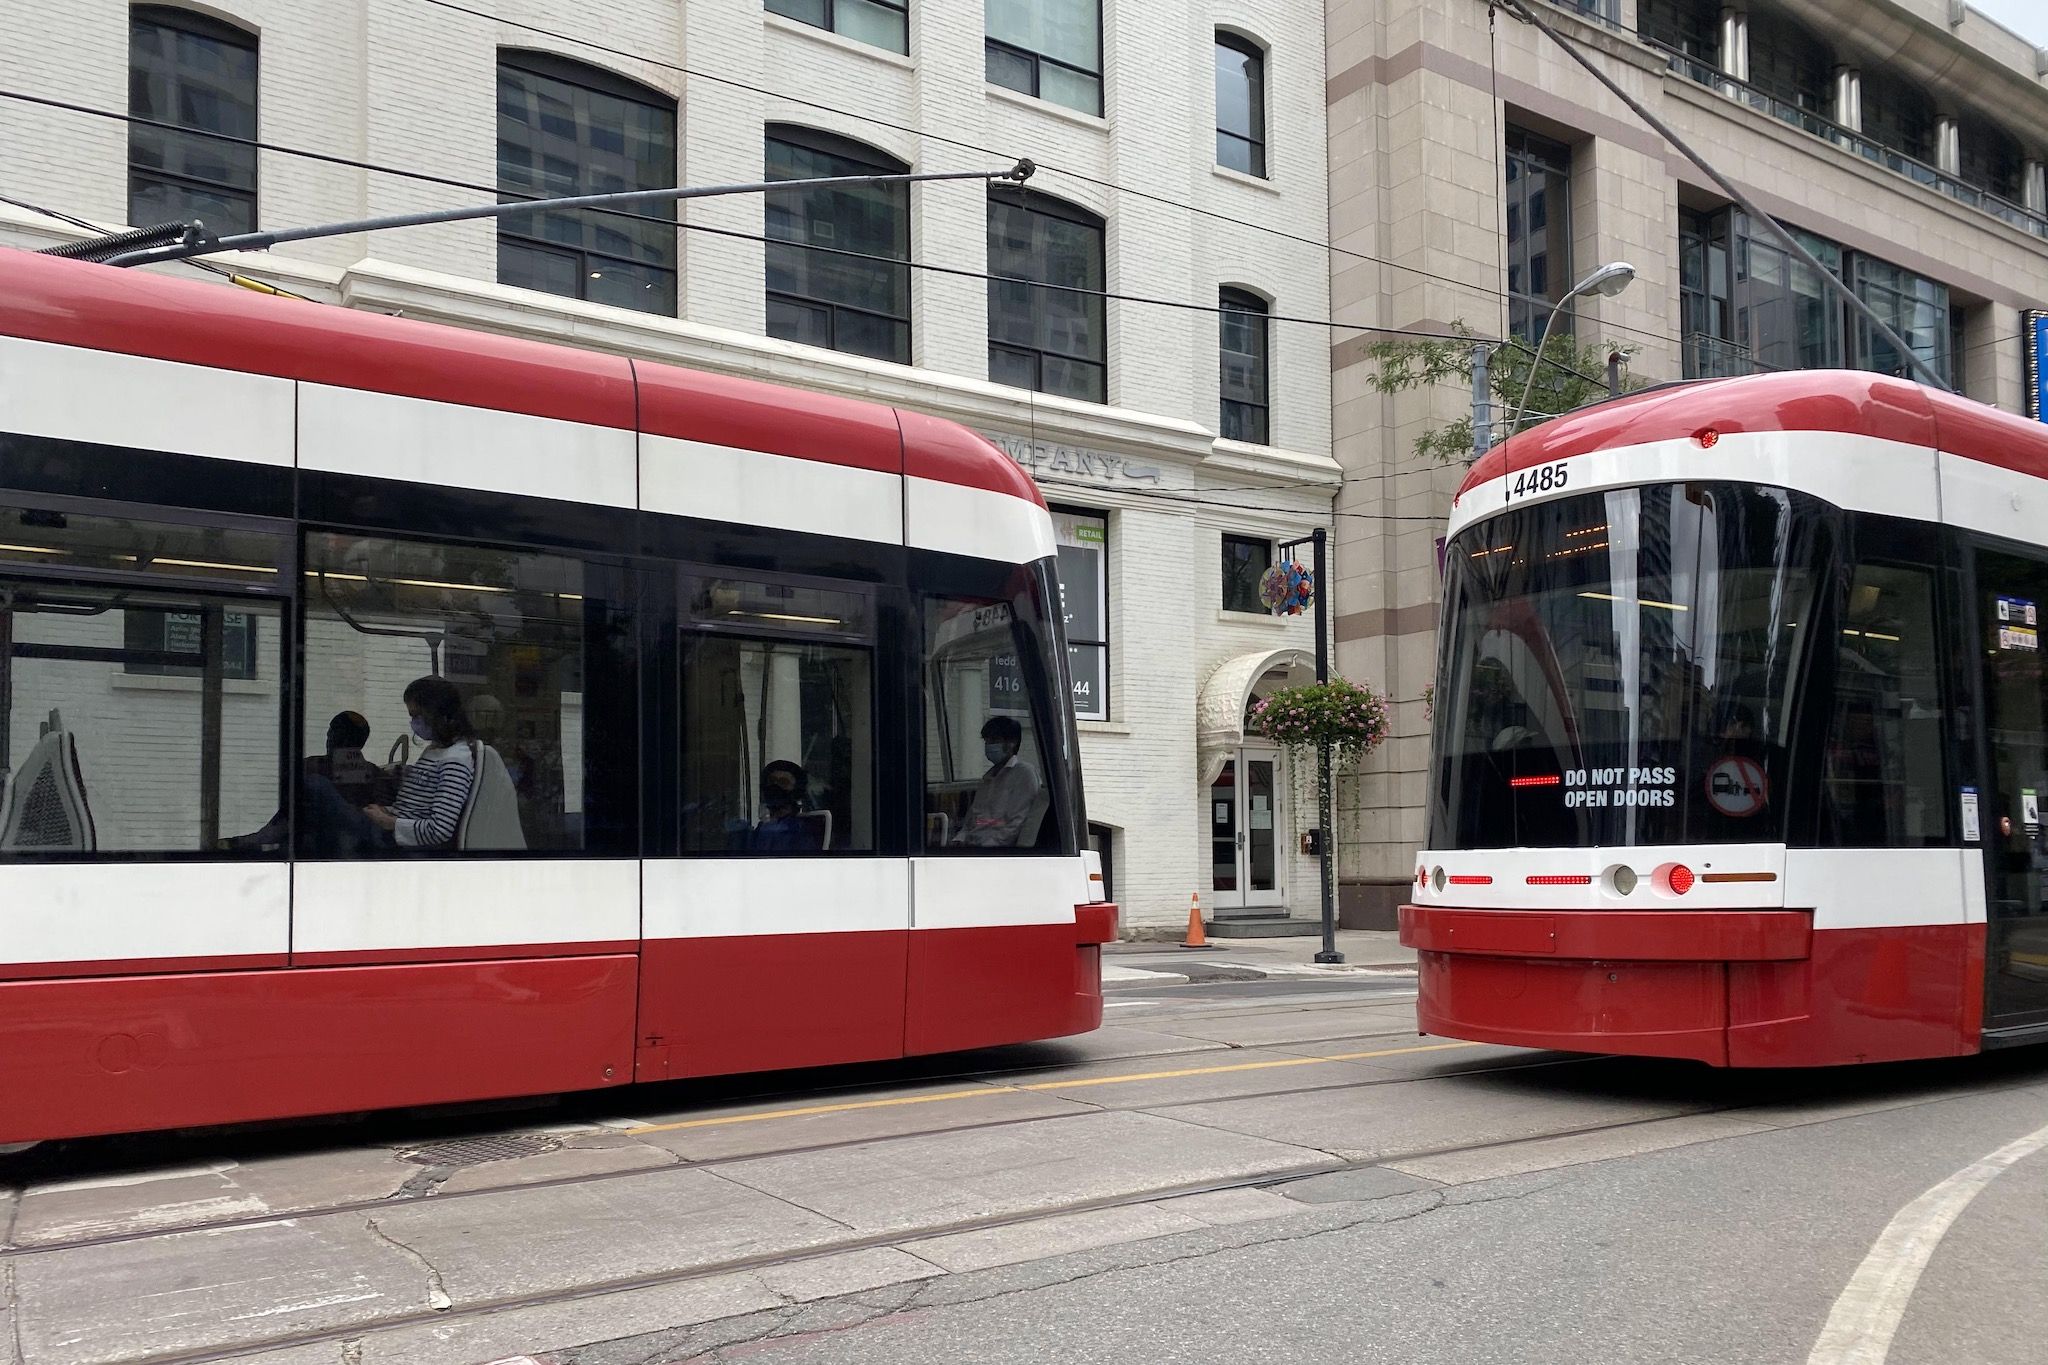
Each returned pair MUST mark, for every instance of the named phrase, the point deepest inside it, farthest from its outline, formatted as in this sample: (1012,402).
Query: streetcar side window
(778,718)
(984,744)
(140,698)
(467,665)
(1883,777)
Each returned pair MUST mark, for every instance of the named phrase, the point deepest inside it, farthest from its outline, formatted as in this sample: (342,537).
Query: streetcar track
(486,1308)
(22,1252)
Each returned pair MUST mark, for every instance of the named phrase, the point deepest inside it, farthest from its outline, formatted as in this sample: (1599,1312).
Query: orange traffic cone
(1196,938)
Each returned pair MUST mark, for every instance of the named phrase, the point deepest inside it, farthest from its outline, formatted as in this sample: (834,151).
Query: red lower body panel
(127,1053)
(981,987)
(1731,988)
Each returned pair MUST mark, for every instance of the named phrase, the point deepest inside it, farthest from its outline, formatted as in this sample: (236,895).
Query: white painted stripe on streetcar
(1860,1329)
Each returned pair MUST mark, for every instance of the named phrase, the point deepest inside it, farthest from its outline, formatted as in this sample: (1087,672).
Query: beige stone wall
(1419,97)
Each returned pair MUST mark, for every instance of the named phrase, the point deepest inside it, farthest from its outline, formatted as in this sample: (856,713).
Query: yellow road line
(986,1091)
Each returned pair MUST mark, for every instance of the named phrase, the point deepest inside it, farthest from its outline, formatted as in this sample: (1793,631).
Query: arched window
(566,129)
(1243,353)
(1898,114)
(1240,104)
(1050,340)
(826,285)
(197,75)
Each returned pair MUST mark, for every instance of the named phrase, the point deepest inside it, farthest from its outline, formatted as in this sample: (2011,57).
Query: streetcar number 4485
(1542,479)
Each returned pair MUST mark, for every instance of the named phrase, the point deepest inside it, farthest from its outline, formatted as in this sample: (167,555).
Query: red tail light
(1551,781)
(1679,879)
(1559,879)
(1470,879)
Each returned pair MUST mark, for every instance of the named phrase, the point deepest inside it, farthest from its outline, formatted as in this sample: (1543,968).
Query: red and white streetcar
(760,697)
(1742,735)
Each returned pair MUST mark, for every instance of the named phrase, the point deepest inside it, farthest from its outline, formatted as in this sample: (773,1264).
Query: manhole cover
(477,1151)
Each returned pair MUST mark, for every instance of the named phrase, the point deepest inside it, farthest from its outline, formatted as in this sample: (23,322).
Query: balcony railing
(1890,158)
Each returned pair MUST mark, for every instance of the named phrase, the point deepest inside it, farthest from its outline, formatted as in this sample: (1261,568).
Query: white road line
(1859,1331)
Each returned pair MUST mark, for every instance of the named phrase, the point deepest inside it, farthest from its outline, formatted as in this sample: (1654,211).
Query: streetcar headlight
(1439,878)
(1622,879)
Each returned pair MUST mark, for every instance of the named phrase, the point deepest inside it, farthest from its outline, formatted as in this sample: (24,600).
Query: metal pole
(1522,408)
(200,245)
(1778,229)
(1614,374)
(1326,840)
(1482,403)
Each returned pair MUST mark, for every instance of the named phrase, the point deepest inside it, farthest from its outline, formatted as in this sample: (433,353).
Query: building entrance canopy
(1229,690)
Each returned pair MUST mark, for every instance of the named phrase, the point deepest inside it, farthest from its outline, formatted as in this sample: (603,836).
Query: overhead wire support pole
(199,244)
(1742,201)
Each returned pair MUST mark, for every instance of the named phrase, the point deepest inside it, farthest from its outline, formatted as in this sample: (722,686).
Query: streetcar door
(2012,592)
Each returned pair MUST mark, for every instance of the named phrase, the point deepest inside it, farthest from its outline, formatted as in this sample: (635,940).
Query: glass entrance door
(2011,593)
(1246,819)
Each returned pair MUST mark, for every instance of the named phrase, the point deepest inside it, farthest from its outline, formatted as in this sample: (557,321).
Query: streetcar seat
(46,808)
(490,822)
(818,822)
(1034,817)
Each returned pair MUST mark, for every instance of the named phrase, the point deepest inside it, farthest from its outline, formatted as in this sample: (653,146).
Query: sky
(2028,18)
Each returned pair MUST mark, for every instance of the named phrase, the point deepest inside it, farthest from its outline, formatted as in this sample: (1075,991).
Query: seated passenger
(785,793)
(1006,793)
(431,796)
(357,779)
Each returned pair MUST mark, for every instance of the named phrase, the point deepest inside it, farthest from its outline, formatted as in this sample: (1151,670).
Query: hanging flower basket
(1353,719)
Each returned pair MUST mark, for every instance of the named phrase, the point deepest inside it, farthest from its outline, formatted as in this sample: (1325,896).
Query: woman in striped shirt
(431,798)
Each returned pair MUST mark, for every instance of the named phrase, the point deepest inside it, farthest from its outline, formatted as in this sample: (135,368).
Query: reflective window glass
(1884,781)
(565,129)
(881,23)
(990,681)
(464,668)
(1245,561)
(1240,105)
(832,272)
(1048,48)
(1242,331)
(198,75)
(1049,339)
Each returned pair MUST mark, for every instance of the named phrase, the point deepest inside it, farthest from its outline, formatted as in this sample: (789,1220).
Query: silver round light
(1623,880)
(1438,879)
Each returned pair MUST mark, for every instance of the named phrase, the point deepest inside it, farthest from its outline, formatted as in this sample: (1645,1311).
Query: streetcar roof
(133,312)
(1855,402)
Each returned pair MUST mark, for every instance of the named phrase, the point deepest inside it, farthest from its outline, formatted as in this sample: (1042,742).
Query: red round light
(1707,437)
(1679,879)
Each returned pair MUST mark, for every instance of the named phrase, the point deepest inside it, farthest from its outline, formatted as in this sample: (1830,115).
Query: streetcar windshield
(1626,668)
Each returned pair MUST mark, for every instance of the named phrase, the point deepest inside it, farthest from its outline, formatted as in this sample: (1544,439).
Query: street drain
(477,1151)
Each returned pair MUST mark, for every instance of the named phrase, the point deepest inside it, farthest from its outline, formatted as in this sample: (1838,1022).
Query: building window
(1048,48)
(199,75)
(778,752)
(1242,328)
(569,129)
(1898,114)
(1705,300)
(882,23)
(1691,27)
(1539,232)
(1245,561)
(1083,541)
(1991,158)
(1912,305)
(1786,316)
(816,294)
(1240,104)
(1050,340)
(1787,62)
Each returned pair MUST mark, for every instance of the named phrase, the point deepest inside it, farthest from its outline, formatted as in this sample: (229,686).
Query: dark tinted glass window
(1884,783)
(1539,232)
(884,23)
(778,718)
(825,285)
(1625,668)
(1242,329)
(141,696)
(1240,105)
(1992,159)
(1689,26)
(1049,339)
(566,129)
(198,75)
(1789,62)
(1912,305)
(1048,48)
(1898,113)
(1245,561)
(512,762)
(996,723)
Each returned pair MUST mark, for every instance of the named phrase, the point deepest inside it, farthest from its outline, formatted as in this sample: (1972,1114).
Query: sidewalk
(1156,964)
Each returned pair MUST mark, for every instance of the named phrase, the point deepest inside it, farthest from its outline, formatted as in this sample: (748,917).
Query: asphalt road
(1276,1170)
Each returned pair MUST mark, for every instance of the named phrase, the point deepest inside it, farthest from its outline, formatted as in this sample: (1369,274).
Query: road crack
(10,1301)
(437,1293)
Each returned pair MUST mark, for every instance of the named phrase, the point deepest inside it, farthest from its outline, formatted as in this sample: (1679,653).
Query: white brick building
(370,107)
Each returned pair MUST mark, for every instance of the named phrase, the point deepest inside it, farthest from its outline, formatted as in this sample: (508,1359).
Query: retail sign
(1043,459)
(1082,540)
(2034,343)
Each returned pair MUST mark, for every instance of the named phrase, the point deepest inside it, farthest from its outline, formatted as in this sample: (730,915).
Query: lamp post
(1326,841)
(1607,281)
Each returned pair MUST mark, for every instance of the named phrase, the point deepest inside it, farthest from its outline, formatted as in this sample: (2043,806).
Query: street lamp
(1607,281)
